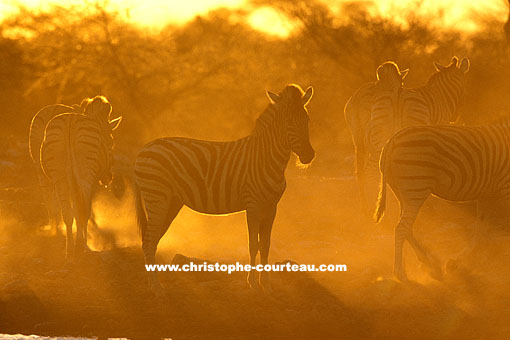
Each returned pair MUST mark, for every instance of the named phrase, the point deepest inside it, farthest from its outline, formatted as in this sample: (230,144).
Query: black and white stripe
(224,177)
(35,139)
(436,102)
(365,112)
(451,162)
(75,154)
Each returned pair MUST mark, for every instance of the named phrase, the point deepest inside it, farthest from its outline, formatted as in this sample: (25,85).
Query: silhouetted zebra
(436,102)
(76,153)
(451,162)
(224,177)
(35,139)
(358,111)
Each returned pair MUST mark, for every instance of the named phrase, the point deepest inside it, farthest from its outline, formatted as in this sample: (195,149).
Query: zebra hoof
(252,280)
(401,276)
(434,272)
(69,256)
(157,291)
(265,283)
(266,288)
(455,267)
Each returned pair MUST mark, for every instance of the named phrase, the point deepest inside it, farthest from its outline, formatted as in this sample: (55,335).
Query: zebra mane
(264,119)
(433,80)
(290,95)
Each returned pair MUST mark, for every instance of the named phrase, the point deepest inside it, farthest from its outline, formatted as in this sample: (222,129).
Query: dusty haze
(206,79)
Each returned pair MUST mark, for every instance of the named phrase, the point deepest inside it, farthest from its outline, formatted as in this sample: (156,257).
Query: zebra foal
(247,174)
(75,154)
(451,162)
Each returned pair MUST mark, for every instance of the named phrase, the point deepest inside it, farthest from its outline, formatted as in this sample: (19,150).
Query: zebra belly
(211,205)
(439,160)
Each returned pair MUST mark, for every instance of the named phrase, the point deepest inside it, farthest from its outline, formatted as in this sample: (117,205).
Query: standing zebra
(436,102)
(358,111)
(451,162)
(224,177)
(35,138)
(75,154)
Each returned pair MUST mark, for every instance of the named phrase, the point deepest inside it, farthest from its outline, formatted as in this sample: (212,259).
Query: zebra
(436,102)
(75,154)
(35,139)
(224,177)
(451,162)
(357,113)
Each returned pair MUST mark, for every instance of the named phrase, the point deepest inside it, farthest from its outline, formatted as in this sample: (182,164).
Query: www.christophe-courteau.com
(238,267)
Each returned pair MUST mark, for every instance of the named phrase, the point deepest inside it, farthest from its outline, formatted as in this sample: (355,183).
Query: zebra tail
(141,216)
(381,199)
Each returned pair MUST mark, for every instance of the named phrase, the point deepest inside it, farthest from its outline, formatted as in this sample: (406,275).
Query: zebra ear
(404,73)
(439,67)
(308,95)
(273,97)
(464,65)
(115,123)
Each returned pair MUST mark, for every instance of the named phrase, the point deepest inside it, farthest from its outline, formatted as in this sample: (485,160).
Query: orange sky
(156,13)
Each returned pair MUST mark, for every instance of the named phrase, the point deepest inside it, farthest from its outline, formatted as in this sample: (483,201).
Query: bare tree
(506,27)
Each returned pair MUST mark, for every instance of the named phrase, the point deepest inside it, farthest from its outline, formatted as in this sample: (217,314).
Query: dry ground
(105,293)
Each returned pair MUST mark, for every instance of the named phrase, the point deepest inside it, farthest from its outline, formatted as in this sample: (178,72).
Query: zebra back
(456,163)
(437,101)
(38,125)
(358,109)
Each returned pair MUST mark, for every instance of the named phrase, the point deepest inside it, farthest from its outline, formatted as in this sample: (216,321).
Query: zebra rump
(74,157)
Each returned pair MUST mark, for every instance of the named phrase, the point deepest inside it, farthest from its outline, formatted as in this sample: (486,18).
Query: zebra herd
(402,136)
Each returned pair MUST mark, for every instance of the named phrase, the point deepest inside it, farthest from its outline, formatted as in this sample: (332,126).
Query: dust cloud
(206,79)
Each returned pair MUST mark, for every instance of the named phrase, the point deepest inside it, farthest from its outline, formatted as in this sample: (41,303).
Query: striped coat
(76,153)
(358,113)
(224,177)
(436,102)
(36,136)
(450,162)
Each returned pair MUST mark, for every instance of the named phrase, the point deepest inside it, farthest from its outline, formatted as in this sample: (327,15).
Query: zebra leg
(481,229)
(266,226)
(93,224)
(80,243)
(372,179)
(62,192)
(407,218)
(160,215)
(253,221)
(67,216)
(50,201)
(361,160)
(82,214)
(429,262)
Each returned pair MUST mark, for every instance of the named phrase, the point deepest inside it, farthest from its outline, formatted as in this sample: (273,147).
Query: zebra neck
(270,149)
(443,100)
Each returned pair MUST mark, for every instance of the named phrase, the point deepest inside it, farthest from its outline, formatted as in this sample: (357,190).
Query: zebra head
(291,106)
(108,142)
(100,109)
(455,72)
(389,77)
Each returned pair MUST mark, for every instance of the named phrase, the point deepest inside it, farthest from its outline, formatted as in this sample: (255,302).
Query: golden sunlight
(157,13)
(269,21)
(455,14)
